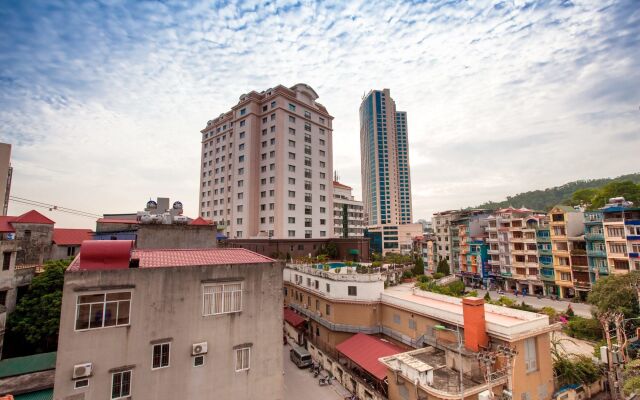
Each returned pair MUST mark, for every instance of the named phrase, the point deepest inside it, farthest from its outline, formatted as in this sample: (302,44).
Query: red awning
(292,318)
(365,350)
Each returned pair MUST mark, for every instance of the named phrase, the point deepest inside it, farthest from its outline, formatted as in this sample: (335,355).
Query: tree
(627,189)
(616,293)
(37,314)
(332,251)
(418,268)
(443,267)
(632,377)
(583,197)
(577,369)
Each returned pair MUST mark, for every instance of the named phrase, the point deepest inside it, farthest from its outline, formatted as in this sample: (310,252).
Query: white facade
(342,197)
(267,166)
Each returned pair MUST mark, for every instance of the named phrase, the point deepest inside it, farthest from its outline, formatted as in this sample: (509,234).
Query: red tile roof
(293,318)
(342,185)
(34,217)
(66,237)
(201,221)
(189,257)
(99,257)
(5,223)
(117,221)
(365,350)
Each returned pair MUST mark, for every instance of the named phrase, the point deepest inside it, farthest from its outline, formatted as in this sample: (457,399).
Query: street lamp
(457,332)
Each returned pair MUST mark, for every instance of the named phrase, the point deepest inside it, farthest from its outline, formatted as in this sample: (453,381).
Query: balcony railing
(582,284)
(594,236)
(596,253)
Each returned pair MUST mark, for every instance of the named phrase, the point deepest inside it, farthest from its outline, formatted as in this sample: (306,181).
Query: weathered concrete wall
(61,252)
(8,279)
(281,248)
(34,243)
(167,303)
(176,237)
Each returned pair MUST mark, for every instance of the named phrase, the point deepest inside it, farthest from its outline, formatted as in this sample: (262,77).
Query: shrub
(407,274)
(550,312)
(487,297)
(584,328)
(376,264)
(423,278)
(438,275)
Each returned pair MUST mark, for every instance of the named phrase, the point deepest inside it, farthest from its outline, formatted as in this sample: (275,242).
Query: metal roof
(28,364)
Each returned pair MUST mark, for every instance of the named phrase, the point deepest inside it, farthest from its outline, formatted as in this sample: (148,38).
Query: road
(300,383)
(580,309)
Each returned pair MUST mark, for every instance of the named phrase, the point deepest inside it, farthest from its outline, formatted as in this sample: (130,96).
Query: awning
(365,351)
(220,236)
(354,252)
(292,318)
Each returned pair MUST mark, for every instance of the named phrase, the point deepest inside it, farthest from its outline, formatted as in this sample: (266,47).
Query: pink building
(267,166)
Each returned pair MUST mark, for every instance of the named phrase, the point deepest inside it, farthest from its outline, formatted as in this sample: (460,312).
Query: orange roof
(338,184)
(33,217)
(201,221)
(5,223)
(365,351)
(65,237)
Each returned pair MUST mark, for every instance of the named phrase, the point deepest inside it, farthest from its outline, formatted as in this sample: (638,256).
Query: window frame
(222,296)
(104,308)
(121,396)
(153,347)
(243,358)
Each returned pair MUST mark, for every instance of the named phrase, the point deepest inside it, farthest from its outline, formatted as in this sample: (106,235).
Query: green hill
(545,199)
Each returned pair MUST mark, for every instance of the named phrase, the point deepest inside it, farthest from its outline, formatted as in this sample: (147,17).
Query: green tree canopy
(616,293)
(418,268)
(583,197)
(627,189)
(37,315)
(443,267)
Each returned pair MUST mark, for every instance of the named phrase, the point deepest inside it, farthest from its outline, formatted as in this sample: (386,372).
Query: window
(102,310)
(292,181)
(292,193)
(6,260)
(292,220)
(3,297)
(222,298)
(307,114)
(292,107)
(120,384)
(292,168)
(83,383)
(328,309)
(412,324)
(243,111)
(291,233)
(292,156)
(160,355)
(352,290)
(198,361)
(243,356)
(396,318)
(292,207)
(530,356)
(328,288)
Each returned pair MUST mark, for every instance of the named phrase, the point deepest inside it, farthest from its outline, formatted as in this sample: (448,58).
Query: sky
(103,102)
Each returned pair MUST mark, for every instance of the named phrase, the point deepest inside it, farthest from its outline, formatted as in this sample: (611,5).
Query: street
(580,309)
(300,383)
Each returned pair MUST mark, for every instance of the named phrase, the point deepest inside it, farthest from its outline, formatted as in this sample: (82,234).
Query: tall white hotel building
(267,166)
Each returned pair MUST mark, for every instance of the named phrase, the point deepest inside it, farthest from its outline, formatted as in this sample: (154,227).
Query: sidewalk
(580,309)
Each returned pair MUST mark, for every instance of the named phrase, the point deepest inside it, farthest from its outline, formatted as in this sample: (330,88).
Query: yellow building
(566,224)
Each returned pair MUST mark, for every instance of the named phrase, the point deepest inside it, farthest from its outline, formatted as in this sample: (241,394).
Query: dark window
(3,297)
(198,361)
(27,235)
(120,384)
(353,290)
(160,355)
(71,251)
(6,260)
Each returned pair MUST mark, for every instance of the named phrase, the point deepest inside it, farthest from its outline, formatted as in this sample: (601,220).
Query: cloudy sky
(103,101)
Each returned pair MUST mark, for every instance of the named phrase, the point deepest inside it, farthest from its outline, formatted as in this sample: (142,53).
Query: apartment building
(348,213)
(341,306)
(6,173)
(621,228)
(466,226)
(392,238)
(441,223)
(566,225)
(595,245)
(267,165)
(545,256)
(384,150)
(170,323)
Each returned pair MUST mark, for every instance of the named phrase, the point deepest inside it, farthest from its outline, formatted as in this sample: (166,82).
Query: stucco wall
(176,237)
(167,303)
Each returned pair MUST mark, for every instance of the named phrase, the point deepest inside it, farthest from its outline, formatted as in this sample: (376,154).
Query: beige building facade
(267,166)
(347,211)
(170,324)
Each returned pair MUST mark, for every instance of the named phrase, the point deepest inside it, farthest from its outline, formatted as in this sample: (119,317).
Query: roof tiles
(365,351)
(67,237)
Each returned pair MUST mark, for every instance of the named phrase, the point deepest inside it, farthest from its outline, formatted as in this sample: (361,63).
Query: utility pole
(616,353)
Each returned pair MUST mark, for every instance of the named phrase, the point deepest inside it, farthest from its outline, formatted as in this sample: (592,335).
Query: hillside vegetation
(590,192)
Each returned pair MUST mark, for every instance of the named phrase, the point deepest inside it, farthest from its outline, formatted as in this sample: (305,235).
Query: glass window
(222,298)
(102,310)
(120,384)
(160,356)
(243,356)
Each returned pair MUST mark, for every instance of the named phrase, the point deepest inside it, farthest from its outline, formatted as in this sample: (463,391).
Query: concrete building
(596,247)
(392,238)
(6,172)
(267,166)
(621,228)
(348,213)
(384,150)
(170,324)
(566,224)
(441,225)
(545,257)
(465,226)
(66,242)
(339,306)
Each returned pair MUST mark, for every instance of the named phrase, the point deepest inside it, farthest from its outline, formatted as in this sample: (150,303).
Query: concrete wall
(167,303)
(5,167)
(176,237)
(10,279)
(33,247)
(62,252)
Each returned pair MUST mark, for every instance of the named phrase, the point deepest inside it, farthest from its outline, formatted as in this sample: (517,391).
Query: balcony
(594,236)
(506,274)
(545,252)
(581,284)
(596,253)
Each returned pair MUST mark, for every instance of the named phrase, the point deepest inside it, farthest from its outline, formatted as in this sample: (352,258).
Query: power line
(53,207)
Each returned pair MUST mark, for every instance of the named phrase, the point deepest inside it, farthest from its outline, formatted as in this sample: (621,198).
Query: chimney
(475,330)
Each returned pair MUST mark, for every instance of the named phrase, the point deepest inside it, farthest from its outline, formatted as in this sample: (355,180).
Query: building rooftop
(28,364)
(30,217)
(66,237)
(502,322)
(117,221)
(365,351)
(341,185)
(293,318)
(119,254)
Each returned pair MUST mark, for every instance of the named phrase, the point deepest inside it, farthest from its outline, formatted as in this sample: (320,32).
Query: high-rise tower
(386,180)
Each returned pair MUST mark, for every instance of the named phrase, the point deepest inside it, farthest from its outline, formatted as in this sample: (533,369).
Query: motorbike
(316,373)
(324,381)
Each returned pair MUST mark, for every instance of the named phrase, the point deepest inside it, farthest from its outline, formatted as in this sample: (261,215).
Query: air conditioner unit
(81,370)
(199,348)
